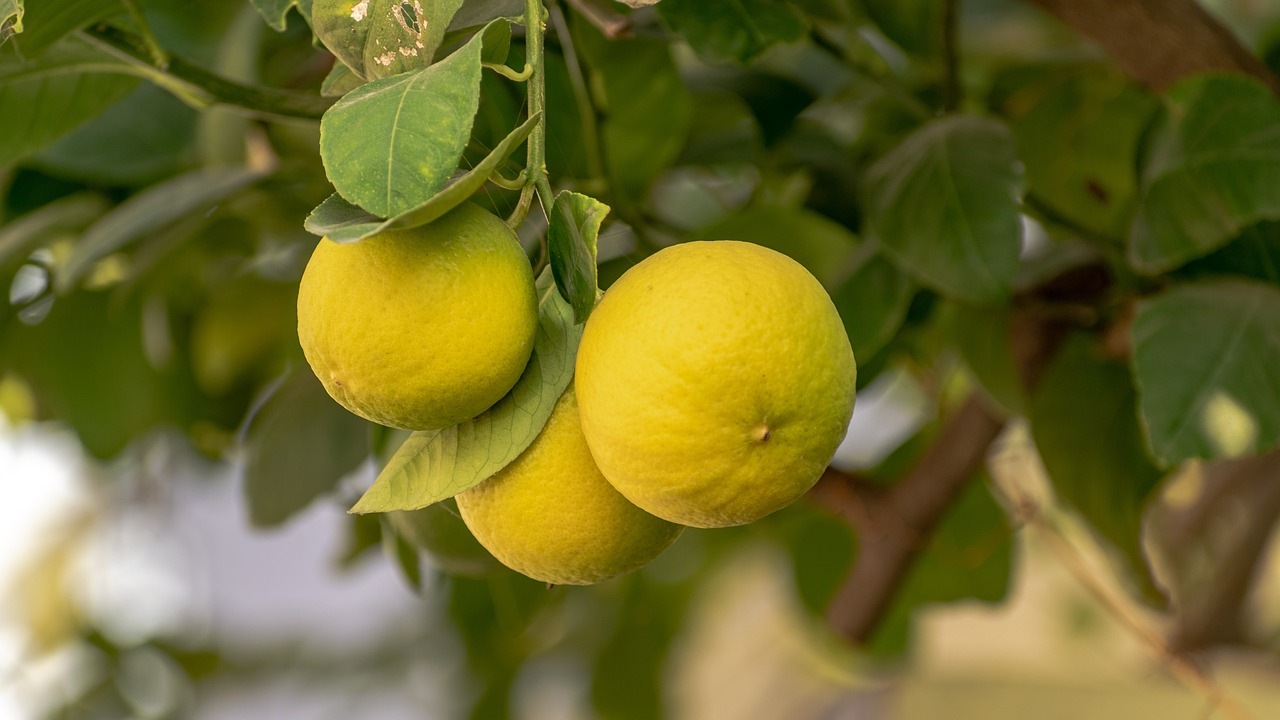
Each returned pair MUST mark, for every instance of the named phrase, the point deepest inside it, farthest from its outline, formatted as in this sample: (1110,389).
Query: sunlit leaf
(571,239)
(342,222)
(390,145)
(944,205)
(433,466)
(1206,357)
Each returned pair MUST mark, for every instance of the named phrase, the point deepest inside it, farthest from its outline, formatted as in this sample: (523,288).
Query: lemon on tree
(420,328)
(715,381)
(552,516)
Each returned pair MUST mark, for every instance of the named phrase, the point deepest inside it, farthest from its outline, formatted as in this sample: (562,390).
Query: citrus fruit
(715,381)
(420,328)
(552,516)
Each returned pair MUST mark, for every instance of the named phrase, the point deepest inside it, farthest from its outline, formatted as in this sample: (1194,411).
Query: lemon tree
(1056,268)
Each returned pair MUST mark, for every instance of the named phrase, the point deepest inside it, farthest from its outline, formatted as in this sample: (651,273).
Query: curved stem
(518,182)
(522,207)
(537,165)
(510,74)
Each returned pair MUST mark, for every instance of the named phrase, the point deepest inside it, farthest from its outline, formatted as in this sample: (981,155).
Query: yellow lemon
(715,381)
(552,516)
(422,328)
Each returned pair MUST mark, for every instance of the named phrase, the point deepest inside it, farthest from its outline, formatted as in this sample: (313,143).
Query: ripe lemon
(715,381)
(552,516)
(421,328)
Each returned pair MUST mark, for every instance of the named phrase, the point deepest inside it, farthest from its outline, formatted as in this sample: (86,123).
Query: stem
(510,74)
(952,94)
(158,54)
(537,165)
(522,207)
(199,87)
(586,111)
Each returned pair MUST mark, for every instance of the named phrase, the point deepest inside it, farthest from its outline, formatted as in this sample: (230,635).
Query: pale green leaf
(151,210)
(342,222)
(433,466)
(390,145)
(1213,170)
(944,206)
(571,240)
(1206,357)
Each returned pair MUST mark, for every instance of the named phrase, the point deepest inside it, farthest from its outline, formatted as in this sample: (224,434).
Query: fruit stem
(537,164)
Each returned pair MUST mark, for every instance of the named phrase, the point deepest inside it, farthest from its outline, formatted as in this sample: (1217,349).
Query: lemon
(421,328)
(552,516)
(715,381)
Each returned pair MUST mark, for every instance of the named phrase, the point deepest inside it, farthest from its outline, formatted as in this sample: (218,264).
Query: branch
(895,524)
(1159,42)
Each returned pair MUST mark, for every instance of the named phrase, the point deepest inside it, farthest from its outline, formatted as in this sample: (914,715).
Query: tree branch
(1159,42)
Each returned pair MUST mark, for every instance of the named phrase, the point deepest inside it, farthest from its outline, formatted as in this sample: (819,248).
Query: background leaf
(825,248)
(571,240)
(48,21)
(48,97)
(944,205)
(1206,357)
(390,145)
(1086,400)
(1213,170)
(276,12)
(299,445)
(341,221)
(433,466)
(735,30)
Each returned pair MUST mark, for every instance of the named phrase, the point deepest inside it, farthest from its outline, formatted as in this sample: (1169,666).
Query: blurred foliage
(151,246)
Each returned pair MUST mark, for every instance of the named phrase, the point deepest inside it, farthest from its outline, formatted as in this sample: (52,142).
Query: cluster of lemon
(713,383)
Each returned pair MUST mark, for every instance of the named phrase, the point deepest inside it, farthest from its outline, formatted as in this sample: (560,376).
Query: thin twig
(612,24)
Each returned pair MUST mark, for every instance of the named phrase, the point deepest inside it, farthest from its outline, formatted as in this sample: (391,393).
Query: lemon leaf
(571,238)
(436,465)
(381,38)
(342,222)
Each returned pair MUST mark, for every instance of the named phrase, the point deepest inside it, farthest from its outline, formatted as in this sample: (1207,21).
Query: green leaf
(944,205)
(1087,401)
(647,108)
(10,19)
(571,239)
(1206,357)
(496,42)
(984,337)
(433,466)
(381,38)
(1212,171)
(48,97)
(150,210)
(390,145)
(403,556)
(825,248)
(48,21)
(1078,132)
(734,30)
(1254,253)
(873,301)
(343,222)
(915,25)
(21,235)
(478,13)
(340,80)
(299,445)
(276,12)
(438,531)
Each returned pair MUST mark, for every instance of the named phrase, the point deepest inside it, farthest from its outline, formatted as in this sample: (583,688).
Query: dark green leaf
(1254,253)
(571,240)
(342,222)
(390,145)
(438,531)
(21,235)
(404,557)
(1084,417)
(299,445)
(154,208)
(1212,171)
(478,13)
(944,205)
(48,21)
(822,246)
(433,466)
(48,97)
(915,25)
(873,302)
(1206,357)
(984,337)
(735,30)
(275,12)
(381,38)
(364,533)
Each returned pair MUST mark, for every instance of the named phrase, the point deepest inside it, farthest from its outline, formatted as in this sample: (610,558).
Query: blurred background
(173,481)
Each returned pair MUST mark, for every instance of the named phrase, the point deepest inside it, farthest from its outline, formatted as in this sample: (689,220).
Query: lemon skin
(422,328)
(715,381)
(551,515)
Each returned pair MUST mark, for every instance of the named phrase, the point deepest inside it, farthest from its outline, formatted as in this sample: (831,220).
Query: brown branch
(895,524)
(1159,42)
